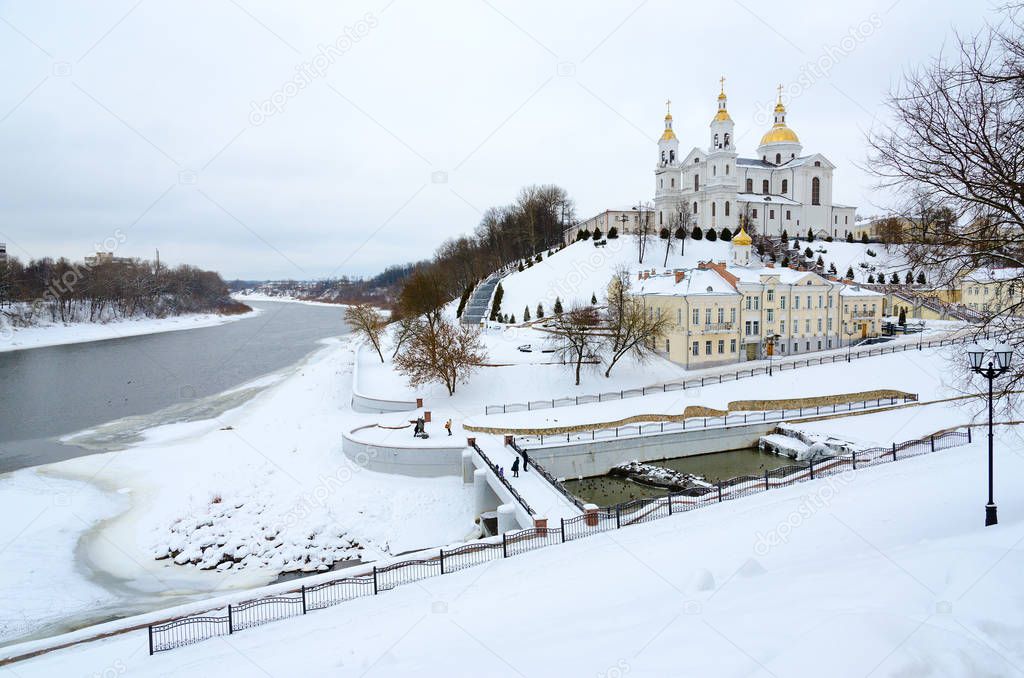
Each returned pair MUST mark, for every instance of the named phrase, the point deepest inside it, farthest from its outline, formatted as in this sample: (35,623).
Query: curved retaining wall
(418,462)
(366,404)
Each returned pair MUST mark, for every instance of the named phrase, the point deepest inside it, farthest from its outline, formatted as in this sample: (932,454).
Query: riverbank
(238,296)
(59,334)
(264,484)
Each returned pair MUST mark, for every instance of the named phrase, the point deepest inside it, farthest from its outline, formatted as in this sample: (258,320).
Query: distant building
(725,313)
(989,290)
(101,258)
(626,220)
(3,251)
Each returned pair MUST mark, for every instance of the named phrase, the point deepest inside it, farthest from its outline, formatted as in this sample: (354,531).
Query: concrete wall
(366,404)
(418,462)
(597,457)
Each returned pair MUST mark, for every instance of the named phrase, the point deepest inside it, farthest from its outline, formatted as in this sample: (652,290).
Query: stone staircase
(479,305)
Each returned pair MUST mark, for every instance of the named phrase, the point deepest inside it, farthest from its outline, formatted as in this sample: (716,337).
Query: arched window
(750,185)
(663,156)
(671,156)
(712,209)
(726,208)
(727,169)
(726,137)
(815,191)
(716,141)
(714,170)
(673,182)
(764,186)
(778,158)
(696,182)
(785,186)
(694,208)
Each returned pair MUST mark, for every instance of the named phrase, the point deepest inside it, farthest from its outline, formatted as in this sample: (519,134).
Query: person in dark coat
(526,461)
(515,468)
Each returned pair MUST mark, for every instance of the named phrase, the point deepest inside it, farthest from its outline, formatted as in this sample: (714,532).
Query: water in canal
(145,381)
(714,467)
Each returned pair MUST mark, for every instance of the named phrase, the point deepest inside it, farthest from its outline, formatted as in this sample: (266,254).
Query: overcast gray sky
(271,140)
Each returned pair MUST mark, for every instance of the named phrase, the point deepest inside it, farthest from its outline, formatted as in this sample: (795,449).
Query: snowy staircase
(479,304)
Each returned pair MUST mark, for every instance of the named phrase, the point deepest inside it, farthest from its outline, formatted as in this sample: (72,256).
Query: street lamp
(772,338)
(1001,354)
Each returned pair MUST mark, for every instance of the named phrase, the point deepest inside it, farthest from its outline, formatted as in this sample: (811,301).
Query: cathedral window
(696,182)
(716,141)
(787,215)
(726,208)
(753,213)
(694,208)
(750,185)
(714,170)
(815,191)
(771,214)
(785,186)
(673,181)
(726,138)
(778,158)
(764,186)
(817,163)
(727,169)
(712,209)
(671,156)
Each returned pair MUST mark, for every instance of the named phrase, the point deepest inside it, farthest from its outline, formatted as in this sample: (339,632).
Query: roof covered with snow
(694,281)
(988,275)
(769,198)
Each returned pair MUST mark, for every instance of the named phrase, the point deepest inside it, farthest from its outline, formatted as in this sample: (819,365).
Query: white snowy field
(927,373)
(235,500)
(886,571)
(56,334)
(257,296)
(581,270)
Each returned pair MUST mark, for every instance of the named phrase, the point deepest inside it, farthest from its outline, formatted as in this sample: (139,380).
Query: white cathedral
(779,190)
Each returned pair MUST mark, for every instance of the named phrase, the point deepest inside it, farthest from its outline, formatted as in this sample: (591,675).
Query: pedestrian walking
(501,472)
(448,426)
(526,461)
(515,468)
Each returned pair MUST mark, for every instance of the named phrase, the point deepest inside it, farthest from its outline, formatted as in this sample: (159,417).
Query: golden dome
(722,115)
(668,135)
(742,238)
(779,133)
(779,108)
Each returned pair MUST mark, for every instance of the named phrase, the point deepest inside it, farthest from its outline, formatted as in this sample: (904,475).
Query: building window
(753,214)
(726,208)
(727,170)
(673,182)
(707,348)
(716,141)
(778,158)
(721,315)
(712,209)
(819,327)
(771,315)
(707,316)
(714,170)
(782,303)
(750,185)
(667,346)
(696,316)
(694,208)
(815,191)
(796,302)
(764,186)
(757,327)
(732,346)
(696,182)
(750,303)
(788,216)
(771,214)
(696,348)
(807,328)
(746,328)
(782,327)
(732,315)
(771,294)
(721,346)
(785,187)
(817,163)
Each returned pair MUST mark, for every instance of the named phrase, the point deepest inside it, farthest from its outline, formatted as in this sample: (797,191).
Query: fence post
(894,451)
(812,469)
(766,480)
(504,544)
(442,561)
(853,458)
(563,530)
(618,516)
(231,623)
(670,502)
(968,434)
(374,580)
(303,599)
(150,640)
(719,492)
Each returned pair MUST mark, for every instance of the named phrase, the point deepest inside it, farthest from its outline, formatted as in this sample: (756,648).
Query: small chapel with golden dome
(779,189)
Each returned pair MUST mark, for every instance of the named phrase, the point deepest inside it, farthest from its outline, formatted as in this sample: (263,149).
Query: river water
(144,381)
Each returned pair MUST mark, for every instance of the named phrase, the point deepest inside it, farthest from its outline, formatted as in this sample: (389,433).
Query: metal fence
(501,476)
(695,423)
(720,378)
(236,617)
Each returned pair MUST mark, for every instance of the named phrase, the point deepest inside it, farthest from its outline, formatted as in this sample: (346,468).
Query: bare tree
(632,328)
(680,223)
(956,142)
(643,228)
(577,337)
(442,351)
(367,322)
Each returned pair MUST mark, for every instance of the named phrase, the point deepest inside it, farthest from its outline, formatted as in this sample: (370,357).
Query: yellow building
(993,289)
(724,313)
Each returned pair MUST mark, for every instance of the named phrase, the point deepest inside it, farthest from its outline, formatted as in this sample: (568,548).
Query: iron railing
(235,617)
(780,365)
(501,477)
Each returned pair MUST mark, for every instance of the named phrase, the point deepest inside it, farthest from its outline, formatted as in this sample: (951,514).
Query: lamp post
(771,339)
(1001,354)
(849,340)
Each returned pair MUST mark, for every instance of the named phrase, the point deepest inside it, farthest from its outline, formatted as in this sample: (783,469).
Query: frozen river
(143,381)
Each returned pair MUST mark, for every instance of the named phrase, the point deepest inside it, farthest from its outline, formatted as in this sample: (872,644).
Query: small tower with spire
(668,144)
(780,144)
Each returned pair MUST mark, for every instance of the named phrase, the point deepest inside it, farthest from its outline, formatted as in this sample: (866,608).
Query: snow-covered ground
(581,270)
(258,296)
(19,338)
(887,571)
(261,489)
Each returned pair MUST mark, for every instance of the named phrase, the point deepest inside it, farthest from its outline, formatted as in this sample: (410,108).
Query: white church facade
(780,189)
